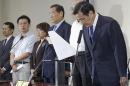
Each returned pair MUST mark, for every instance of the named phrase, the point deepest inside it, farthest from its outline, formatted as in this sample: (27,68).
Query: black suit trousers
(81,76)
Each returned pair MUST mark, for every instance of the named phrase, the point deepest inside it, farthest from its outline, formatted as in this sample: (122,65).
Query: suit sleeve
(67,36)
(67,33)
(49,52)
(32,57)
(6,56)
(48,67)
(119,47)
(7,66)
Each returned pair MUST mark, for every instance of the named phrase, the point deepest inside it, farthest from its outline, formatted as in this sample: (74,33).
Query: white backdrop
(37,10)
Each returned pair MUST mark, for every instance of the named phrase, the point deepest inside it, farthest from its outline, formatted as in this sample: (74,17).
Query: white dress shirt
(75,29)
(7,39)
(24,45)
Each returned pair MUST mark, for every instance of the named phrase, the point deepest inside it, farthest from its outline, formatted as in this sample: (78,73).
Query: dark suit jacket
(4,59)
(108,52)
(0,43)
(64,31)
(49,66)
(45,52)
(36,59)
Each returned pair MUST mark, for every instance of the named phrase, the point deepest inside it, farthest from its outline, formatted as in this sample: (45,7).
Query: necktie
(54,28)
(4,42)
(91,32)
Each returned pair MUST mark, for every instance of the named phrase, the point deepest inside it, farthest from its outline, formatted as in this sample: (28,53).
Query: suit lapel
(97,31)
(38,49)
(51,28)
(35,49)
(96,36)
(9,42)
(41,48)
(59,29)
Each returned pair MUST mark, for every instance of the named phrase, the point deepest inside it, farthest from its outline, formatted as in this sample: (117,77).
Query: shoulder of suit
(66,23)
(105,19)
(13,37)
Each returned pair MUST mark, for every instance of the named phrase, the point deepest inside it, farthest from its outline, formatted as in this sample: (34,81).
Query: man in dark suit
(0,44)
(105,46)
(5,76)
(62,28)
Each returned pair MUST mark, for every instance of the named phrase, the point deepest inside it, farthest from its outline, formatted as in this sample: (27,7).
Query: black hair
(83,7)
(43,26)
(24,17)
(59,8)
(10,24)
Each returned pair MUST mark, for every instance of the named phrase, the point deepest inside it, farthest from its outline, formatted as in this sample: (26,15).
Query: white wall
(37,10)
(0,18)
(119,10)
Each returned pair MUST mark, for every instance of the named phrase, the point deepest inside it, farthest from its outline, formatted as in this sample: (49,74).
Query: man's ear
(90,13)
(61,13)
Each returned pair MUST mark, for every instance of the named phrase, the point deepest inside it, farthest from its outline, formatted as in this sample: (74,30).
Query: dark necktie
(91,32)
(4,42)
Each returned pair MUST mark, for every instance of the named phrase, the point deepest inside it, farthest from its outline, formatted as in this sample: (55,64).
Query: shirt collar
(95,21)
(58,24)
(8,38)
(26,34)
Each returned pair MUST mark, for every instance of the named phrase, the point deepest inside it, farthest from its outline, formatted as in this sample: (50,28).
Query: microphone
(80,35)
(17,41)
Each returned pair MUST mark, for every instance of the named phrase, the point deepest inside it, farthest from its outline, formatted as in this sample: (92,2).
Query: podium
(25,83)
(38,84)
(5,83)
(63,50)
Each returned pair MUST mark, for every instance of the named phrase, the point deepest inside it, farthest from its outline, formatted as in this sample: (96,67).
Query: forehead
(23,20)
(77,1)
(5,26)
(39,30)
(53,9)
(79,14)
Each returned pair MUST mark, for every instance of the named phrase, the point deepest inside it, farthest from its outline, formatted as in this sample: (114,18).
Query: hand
(33,83)
(123,81)
(14,67)
(67,73)
(32,71)
(0,71)
(3,70)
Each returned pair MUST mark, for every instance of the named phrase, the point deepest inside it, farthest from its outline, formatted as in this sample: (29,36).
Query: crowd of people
(101,58)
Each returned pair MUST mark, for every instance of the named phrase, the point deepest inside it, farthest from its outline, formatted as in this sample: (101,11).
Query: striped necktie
(91,33)
(54,28)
